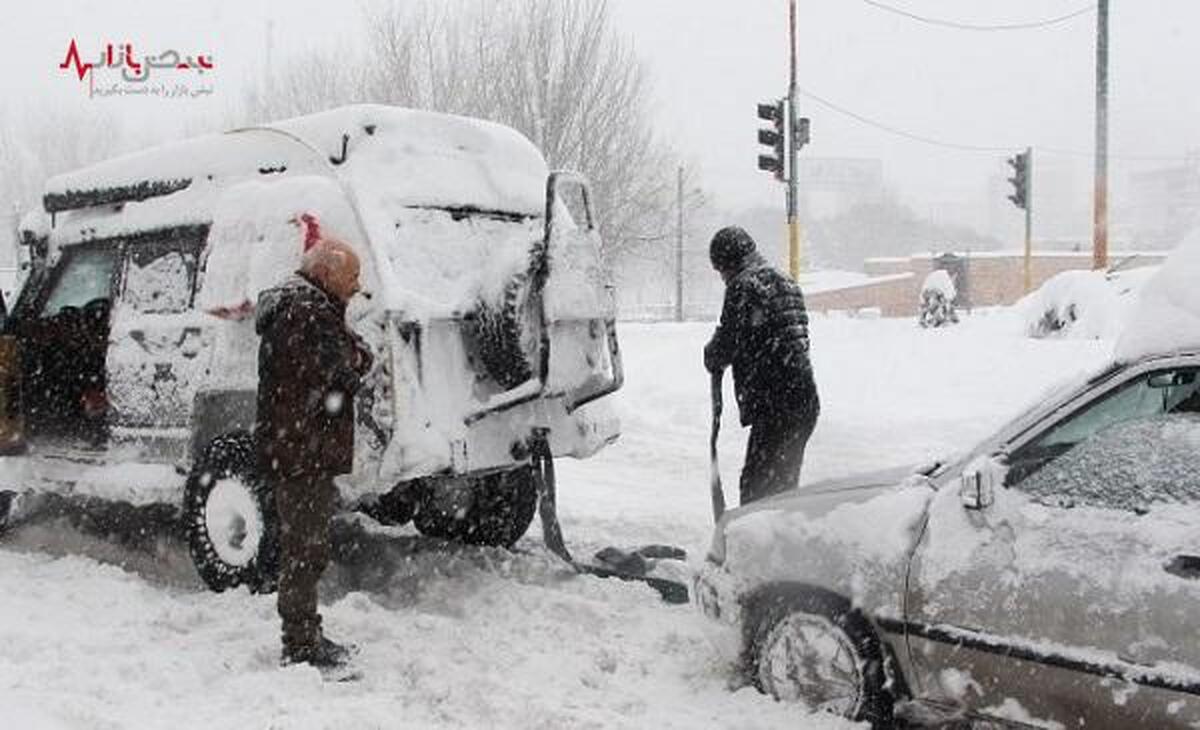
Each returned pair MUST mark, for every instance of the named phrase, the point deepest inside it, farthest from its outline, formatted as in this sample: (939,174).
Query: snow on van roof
(427,159)
(395,167)
(408,157)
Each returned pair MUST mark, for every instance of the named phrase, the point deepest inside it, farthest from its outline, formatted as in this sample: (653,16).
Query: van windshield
(85,276)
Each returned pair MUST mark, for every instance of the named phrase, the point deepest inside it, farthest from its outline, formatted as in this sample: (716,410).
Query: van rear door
(579,298)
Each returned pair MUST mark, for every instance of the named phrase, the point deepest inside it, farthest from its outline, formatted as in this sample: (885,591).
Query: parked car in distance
(1050,577)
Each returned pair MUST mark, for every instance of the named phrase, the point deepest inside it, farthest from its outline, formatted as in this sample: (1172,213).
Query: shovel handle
(717,492)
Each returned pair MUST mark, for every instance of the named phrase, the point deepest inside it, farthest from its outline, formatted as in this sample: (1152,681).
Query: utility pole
(679,245)
(793,223)
(1100,196)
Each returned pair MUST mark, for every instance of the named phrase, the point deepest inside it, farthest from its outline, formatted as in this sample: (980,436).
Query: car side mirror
(978,483)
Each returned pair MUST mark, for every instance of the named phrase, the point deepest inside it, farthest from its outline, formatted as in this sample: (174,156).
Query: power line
(900,132)
(977,26)
(963,147)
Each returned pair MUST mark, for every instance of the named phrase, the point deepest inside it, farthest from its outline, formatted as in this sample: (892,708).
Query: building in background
(1165,203)
(892,285)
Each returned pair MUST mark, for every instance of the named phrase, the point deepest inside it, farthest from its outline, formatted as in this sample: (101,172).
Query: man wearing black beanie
(763,334)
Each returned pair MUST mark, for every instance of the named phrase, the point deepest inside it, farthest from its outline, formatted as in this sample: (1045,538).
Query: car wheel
(230,518)
(496,511)
(813,649)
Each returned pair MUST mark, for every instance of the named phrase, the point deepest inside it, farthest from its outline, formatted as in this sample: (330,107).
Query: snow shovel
(718,493)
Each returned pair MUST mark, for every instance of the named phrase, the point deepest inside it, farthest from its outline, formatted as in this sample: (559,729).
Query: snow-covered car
(1083,304)
(129,362)
(1050,576)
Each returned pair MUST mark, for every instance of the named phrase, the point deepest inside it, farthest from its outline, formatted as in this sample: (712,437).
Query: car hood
(820,497)
(851,536)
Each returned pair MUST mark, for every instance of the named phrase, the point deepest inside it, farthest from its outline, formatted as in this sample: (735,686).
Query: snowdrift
(1167,316)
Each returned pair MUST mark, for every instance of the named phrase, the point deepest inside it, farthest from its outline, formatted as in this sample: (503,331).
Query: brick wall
(892,296)
(992,279)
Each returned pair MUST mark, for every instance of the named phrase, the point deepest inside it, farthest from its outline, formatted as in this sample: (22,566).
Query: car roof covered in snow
(1166,317)
(408,157)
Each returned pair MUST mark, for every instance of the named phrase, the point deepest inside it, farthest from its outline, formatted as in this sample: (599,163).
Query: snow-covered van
(128,364)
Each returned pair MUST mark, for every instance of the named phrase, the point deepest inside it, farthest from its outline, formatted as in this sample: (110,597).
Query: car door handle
(1184,566)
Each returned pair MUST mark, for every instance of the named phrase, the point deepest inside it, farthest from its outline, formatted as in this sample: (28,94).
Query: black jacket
(309,367)
(763,334)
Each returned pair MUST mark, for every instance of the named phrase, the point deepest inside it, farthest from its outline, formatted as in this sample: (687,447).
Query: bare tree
(46,141)
(556,71)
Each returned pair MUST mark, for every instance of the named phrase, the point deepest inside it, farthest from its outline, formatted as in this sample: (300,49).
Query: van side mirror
(978,483)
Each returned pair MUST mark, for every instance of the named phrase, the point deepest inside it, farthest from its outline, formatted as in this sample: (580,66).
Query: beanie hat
(730,246)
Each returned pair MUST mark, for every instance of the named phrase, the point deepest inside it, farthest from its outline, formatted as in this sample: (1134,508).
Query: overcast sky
(713,61)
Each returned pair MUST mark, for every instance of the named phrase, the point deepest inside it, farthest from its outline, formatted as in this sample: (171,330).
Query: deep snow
(479,638)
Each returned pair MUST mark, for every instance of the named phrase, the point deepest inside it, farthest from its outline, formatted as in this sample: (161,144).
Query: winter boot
(326,655)
(342,653)
(8,507)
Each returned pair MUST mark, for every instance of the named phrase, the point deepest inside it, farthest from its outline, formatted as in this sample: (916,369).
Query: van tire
(394,509)
(508,333)
(226,503)
(501,510)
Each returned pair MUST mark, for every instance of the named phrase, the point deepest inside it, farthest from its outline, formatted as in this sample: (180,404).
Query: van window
(160,280)
(85,276)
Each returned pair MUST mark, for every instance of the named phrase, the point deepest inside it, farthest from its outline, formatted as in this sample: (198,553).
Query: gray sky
(713,61)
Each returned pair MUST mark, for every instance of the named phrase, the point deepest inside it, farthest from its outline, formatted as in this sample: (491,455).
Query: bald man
(309,366)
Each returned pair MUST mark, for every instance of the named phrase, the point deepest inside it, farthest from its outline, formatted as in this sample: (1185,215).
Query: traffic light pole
(1028,219)
(1100,194)
(793,183)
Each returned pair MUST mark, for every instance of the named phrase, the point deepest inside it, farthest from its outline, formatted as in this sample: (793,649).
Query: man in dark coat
(763,334)
(309,366)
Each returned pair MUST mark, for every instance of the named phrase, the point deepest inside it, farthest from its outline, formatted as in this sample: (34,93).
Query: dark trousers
(305,503)
(774,455)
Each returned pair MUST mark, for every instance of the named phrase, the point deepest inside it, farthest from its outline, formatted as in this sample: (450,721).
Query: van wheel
(509,333)
(499,510)
(394,508)
(809,648)
(230,520)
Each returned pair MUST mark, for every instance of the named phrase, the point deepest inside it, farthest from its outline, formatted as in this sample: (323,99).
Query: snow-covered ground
(479,638)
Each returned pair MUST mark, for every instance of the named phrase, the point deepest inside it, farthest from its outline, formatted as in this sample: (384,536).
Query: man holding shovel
(763,335)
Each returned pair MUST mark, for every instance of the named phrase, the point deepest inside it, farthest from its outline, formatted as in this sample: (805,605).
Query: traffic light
(1020,179)
(800,133)
(774,138)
